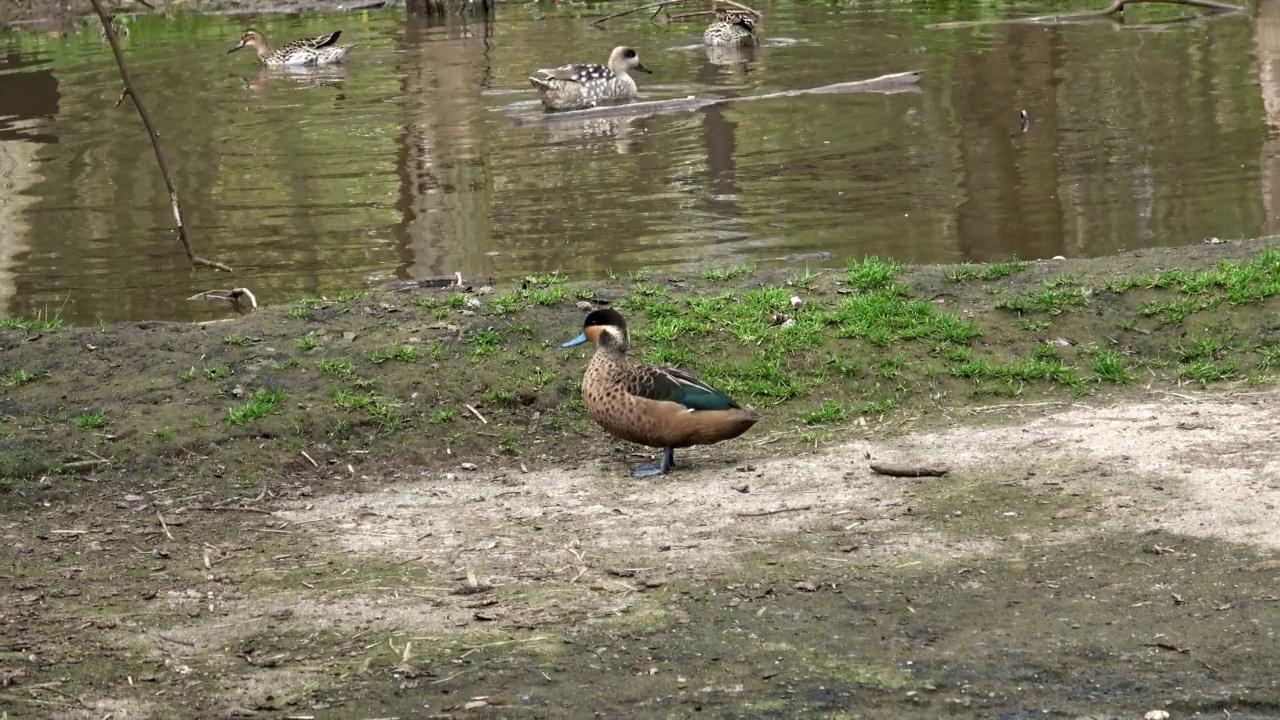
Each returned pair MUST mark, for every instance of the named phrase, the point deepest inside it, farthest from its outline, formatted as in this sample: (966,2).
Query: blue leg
(668,460)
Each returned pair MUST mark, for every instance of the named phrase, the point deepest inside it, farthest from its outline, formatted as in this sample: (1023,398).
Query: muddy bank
(394,504)
(54,14)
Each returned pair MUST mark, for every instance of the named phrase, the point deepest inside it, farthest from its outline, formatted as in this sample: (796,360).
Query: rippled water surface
(406,163)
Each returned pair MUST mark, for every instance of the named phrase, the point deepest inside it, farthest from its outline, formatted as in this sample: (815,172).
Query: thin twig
(132,92)
(313,462)
(164,526)
(776,512)
(661,4)
(477,414)
(211,508)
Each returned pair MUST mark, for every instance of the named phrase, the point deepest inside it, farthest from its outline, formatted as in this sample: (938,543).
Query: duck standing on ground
(731,29)
(585,85)
(307,51)
(655,406)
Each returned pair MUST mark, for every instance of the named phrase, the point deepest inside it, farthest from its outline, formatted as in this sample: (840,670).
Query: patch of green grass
(217,372)
(1108,366)
(1026,369)
(886,317)
(485,342)
(403,353)
(188,375)
(1269,357)
(498,396)
(872,273)
(308,342)
(349,295)
(261,404)
(238,340)
(988,272)
(848,367)
(1052,302)
(164,434)
(290,363)
(1206,371)
(299,311)
(42,321)
(1205,348)
(91,420)
(828,412)
(891,367)
(726,273)
(456,301)
(1030,325)
(18,377)
(1060,281)
(386,416)
(648,289)
(1171,312)
(883,406)
(336,367)
(807,280)
(348,400)
(442,416)
(554,278)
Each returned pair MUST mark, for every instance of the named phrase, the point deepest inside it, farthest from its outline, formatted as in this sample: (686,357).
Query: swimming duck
(585,85)
(307,51)
(731,29)
(655,406)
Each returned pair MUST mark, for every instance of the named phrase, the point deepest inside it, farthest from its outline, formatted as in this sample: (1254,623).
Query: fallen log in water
(892,83)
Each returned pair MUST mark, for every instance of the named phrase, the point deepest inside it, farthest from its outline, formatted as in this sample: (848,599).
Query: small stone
(1156,715)
(805,586)
(470,467)
(348,336)
(473,303)
(796,302)
(584,306)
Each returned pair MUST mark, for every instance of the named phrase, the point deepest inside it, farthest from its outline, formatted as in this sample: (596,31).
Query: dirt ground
(443,532)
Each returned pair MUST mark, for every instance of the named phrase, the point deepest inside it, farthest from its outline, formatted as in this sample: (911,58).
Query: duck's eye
(628,53)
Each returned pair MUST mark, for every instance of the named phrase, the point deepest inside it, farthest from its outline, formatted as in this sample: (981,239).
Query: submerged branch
(891,83)
(661,5)
(1116,7)
(132,93)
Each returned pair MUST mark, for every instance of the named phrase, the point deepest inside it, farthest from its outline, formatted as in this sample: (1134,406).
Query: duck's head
(251,38)
(746,20)
(606,329)
(624,59)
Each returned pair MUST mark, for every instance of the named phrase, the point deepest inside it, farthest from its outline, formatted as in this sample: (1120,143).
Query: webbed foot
(662,468)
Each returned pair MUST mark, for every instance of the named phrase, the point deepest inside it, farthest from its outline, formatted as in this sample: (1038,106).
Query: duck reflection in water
(627,133)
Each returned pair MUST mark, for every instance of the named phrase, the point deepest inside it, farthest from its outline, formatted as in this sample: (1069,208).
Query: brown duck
(656,406)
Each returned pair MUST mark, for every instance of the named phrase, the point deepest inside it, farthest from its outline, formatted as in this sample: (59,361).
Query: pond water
(406,163)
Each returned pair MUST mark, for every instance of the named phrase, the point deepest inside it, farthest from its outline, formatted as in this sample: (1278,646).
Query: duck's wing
(671,385)
(314,43)
(579,73)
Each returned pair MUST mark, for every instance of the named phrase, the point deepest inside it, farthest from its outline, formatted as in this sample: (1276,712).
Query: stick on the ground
(778,511)
(132,92)
(909,470)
